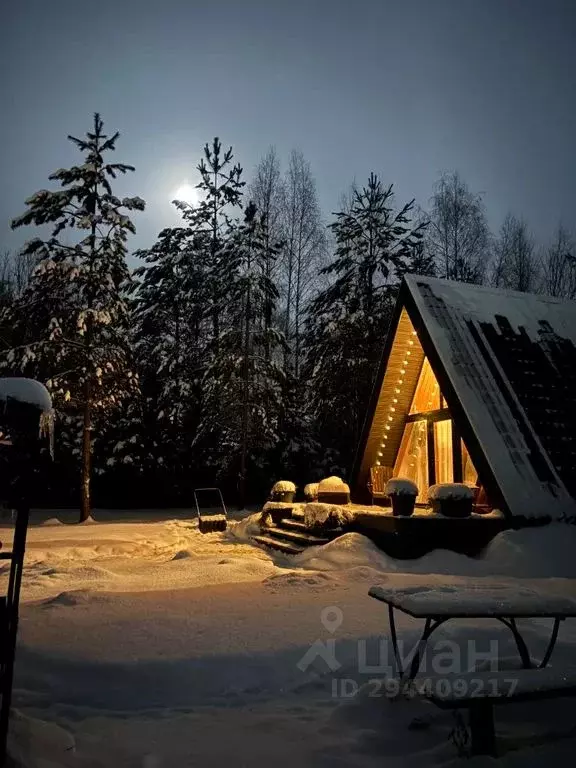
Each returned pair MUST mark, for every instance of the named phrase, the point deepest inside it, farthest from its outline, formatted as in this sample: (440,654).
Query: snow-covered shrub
(450,491)
(284,486)
(401,486)
(311,491)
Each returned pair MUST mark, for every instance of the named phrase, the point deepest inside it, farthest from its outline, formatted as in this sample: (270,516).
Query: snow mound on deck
(317,513)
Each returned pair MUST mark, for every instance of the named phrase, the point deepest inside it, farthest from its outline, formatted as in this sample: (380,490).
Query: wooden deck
(424,530)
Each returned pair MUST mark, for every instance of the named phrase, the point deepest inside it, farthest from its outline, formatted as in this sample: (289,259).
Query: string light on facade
(397,391)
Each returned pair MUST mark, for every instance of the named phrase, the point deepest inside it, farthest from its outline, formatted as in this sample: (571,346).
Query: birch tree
(514,266)
(458,236)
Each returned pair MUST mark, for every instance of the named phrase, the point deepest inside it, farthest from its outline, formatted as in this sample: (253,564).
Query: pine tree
(220,189)
(348,321)
(73,318)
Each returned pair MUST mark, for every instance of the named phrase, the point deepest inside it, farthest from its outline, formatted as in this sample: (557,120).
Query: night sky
(406,88)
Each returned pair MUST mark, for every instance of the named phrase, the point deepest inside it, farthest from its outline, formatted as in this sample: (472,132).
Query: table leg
(551,643)
(430,626)
(394,637)
(520,642)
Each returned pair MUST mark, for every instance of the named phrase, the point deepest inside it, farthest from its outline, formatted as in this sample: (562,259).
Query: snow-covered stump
(451,499)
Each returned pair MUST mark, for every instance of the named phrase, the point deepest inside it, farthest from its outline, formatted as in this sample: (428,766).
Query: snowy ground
(145,644)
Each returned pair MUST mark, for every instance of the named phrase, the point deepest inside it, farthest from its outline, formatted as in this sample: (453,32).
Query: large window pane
(443,451)
(412,461)
(427,394)
(469,474)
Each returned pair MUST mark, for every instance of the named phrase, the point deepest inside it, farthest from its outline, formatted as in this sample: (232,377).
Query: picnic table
(504,601)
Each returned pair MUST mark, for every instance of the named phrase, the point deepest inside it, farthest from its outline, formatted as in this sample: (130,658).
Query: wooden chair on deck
(379,476)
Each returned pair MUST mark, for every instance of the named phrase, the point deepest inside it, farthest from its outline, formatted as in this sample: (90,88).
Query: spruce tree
(348,321)
(171,302)
(180,299)
(242,386)
(72,320)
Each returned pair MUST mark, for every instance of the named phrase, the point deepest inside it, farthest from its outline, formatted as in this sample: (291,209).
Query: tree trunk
(245,405)
(86,506)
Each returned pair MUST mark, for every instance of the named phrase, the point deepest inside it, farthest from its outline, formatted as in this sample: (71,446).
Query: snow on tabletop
(479,598)
(333,485)
(284,486)
(450,491)
(401,486)
(311,489)
(26,391)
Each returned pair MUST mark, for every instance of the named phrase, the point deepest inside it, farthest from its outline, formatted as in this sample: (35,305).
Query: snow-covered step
(304,538)
(293,525)
(279,544)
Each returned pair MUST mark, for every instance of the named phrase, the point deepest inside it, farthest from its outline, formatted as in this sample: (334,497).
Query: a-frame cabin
(477,385)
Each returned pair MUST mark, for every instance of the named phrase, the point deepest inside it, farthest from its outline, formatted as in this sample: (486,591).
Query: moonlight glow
(187,193)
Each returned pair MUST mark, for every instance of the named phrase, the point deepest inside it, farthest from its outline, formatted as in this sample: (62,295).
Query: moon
(187,193)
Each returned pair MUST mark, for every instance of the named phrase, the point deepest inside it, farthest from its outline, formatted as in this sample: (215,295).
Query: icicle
(47,419)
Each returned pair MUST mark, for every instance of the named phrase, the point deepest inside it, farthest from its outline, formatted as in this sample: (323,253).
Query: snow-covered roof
(510,359)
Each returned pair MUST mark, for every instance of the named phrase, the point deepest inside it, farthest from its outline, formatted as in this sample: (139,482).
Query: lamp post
(25,416)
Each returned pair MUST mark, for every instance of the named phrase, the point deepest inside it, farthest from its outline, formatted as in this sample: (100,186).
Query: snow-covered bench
(480,691)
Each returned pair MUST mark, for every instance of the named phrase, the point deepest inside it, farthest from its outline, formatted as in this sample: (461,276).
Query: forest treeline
(243,347)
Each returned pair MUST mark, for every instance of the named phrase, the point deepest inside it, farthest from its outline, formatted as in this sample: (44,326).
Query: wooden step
(288,523)
(303,538)
(279,544)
